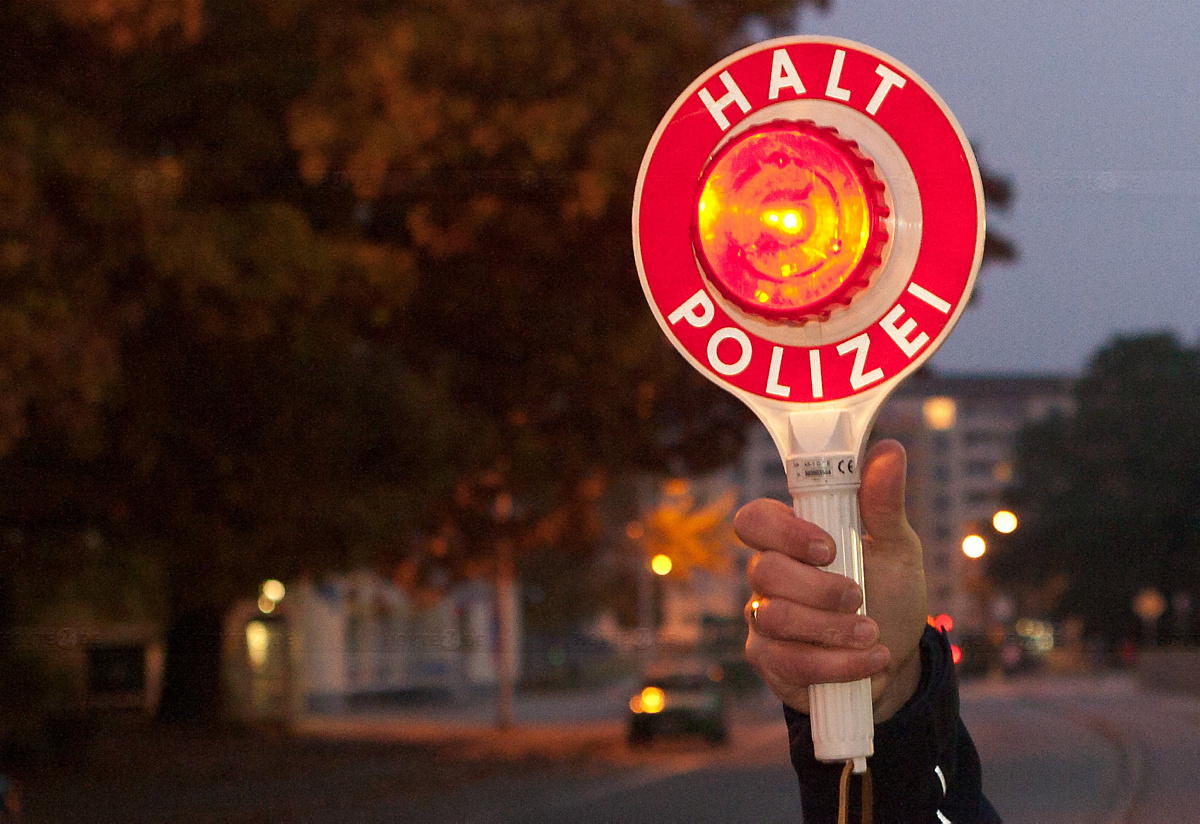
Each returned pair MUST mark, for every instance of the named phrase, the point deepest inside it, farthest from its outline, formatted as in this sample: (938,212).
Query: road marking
(1130,750)
(1132,756)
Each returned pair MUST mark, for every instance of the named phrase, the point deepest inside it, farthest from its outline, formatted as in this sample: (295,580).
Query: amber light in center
(789,221)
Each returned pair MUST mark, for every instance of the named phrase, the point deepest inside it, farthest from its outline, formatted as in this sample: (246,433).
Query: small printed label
(818,468)
(825,470)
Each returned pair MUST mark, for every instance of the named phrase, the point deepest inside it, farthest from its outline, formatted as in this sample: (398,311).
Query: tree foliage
(693,535)
(1109,498)
(279,279)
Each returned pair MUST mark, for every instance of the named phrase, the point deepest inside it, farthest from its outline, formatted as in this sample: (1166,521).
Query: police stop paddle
(808,225)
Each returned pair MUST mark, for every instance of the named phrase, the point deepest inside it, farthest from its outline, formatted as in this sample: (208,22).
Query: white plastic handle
(842,725)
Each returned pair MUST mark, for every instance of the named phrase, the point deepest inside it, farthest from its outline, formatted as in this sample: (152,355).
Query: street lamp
(661,564)
(973,546)
(1004,522)
(635,531)
(1149,605)
(271,594)
(940,413)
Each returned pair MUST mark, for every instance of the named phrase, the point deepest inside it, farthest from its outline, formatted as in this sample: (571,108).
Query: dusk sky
(1092,109)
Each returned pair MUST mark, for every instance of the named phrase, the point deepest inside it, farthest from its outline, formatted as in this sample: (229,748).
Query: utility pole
(506,629)
(636,531)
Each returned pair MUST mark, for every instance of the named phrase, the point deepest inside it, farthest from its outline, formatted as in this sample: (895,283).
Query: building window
(979,469)
(1003,472)
(979,437)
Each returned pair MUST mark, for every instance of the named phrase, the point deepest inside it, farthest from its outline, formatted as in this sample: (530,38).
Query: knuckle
(752,565)
(765,620)
(759,572)
(756,653)
(742,518)
(748,521)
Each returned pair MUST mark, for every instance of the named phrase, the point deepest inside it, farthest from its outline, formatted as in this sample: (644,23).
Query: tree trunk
(191,687)
(506,635)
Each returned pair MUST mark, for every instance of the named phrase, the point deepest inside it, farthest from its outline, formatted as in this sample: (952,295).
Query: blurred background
(345,475)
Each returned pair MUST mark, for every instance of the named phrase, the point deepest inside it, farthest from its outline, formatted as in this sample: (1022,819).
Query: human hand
(807,629)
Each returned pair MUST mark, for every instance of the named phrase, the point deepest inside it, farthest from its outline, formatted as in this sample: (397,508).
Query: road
(1075,750)
(750,779)
(1087,750)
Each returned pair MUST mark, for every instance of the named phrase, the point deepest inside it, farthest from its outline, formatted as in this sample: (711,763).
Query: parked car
(679,699)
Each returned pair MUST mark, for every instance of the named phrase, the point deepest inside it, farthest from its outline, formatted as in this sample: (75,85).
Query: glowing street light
(661,564)
(258,639)
(973,546)
(940,413)
(269,597)
(1004,522)
(274,590)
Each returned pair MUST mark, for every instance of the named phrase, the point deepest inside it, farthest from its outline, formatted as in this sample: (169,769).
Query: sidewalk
(384,765)
(555,724)
(546,722)
(334,767)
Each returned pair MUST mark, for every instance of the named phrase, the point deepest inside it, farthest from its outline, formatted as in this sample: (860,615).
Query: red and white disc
(935,231)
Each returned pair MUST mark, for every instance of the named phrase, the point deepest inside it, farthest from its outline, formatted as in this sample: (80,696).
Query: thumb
(881,498)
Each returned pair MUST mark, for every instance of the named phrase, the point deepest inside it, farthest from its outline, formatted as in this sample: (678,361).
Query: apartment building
(960,432)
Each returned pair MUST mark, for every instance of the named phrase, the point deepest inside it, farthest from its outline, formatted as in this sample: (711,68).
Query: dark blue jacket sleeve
(925,767)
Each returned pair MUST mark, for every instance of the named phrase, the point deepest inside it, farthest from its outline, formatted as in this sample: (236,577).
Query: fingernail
(877,658)
(864,631)
(851,598)
(822,551)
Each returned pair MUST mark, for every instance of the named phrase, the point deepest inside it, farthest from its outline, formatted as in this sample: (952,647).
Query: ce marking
(845,466)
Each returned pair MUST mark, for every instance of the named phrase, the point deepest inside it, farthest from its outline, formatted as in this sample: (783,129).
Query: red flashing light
(943,623)
(955,653)
(789,221)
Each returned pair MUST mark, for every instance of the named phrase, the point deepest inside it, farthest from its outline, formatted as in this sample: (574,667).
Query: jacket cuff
(924,761)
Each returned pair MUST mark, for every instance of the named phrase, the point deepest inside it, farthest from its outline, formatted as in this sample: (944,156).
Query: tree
(280,277)
(998,194)
(1109,497)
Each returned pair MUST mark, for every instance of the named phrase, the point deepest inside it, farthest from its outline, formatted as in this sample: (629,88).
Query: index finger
(769,525)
